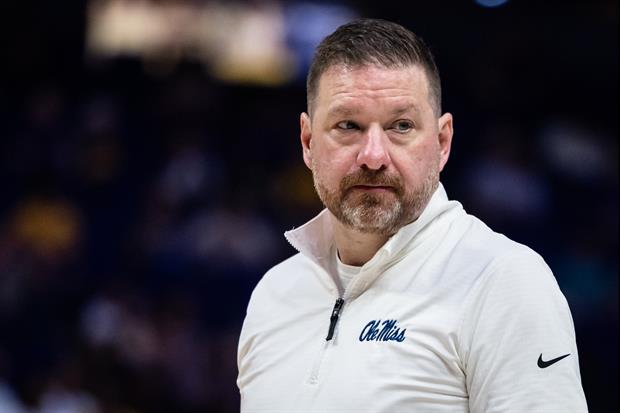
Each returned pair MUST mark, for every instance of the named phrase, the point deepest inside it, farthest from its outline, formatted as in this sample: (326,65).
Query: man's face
(375,145)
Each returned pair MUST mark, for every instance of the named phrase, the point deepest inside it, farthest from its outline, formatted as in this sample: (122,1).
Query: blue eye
(403,126)
(347,125)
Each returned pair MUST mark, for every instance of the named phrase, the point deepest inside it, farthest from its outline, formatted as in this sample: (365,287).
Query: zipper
(314,373)
(333,320)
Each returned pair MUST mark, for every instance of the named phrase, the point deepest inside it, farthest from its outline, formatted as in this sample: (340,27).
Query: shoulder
(473,253)
(497,270)
(492,252)
(514,312)
(508,262)
(282,282)
(285,275)
(483,241)
(512,280)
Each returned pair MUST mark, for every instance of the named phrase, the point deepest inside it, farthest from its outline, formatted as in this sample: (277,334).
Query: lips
(373,188)
(371,182)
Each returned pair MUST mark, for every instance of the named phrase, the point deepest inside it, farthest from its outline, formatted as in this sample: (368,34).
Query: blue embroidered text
(376,330)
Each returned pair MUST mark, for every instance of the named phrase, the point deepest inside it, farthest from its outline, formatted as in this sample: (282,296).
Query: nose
(374,152)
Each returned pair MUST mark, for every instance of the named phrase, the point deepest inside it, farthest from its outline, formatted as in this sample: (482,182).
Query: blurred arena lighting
(577,151)
(308,23)
(491,3)
(265,43)
(50,229)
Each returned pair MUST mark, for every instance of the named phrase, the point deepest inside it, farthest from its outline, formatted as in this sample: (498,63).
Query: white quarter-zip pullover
(448,316)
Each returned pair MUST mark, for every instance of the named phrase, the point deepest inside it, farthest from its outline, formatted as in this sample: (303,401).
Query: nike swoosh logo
(544,364)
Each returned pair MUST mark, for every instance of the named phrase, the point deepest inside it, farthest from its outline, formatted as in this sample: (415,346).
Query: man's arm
(517,341)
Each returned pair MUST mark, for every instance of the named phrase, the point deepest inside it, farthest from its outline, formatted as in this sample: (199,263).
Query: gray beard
(382,214)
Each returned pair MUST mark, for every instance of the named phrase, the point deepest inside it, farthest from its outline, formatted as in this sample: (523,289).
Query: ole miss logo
(387,330)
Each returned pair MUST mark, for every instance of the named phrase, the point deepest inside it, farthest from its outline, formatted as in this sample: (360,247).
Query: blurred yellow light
(236,42)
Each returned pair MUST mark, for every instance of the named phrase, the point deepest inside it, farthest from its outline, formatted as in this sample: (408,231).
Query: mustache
(371,178)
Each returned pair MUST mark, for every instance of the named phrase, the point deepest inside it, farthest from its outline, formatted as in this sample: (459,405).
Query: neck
(354,247)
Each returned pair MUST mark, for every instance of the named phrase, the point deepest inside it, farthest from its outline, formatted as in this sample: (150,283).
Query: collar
(315,239)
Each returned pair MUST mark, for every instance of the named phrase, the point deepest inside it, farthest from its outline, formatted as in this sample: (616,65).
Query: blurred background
(149,164)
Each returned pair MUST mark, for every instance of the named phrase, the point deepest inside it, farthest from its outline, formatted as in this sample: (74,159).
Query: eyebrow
(403,109)
(350,111)
(342,111)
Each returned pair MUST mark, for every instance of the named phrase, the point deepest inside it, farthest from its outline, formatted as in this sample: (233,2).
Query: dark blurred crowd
(131,239)
(139,210)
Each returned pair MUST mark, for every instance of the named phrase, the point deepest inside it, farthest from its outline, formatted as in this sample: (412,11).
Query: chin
(374,220)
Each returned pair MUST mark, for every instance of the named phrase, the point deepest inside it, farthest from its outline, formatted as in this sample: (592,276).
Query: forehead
(341,85)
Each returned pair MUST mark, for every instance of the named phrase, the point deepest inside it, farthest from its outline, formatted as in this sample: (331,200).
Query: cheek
(412,173)
(328,173)
(414,166)
(332,164)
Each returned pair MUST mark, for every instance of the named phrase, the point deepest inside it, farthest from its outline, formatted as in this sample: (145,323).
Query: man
(398,301)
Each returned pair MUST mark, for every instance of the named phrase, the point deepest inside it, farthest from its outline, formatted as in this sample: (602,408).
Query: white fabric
(345,272)
(467,313)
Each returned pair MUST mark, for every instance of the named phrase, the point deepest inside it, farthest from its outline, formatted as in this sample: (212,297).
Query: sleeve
(245,344)
(518,341)
(247,368)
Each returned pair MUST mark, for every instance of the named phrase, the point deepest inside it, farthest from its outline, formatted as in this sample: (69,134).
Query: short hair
(367,42)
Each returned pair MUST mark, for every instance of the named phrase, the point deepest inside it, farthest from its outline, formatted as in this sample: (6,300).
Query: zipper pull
(334,318)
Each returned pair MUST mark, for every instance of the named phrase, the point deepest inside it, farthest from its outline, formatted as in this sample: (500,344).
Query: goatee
(382,213)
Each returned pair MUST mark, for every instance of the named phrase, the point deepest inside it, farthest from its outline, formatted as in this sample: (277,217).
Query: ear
(446,131)
(306,138)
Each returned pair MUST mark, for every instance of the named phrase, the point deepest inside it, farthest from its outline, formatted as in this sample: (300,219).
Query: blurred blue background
(149,163)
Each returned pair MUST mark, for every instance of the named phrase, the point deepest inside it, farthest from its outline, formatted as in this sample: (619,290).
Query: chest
(390,352)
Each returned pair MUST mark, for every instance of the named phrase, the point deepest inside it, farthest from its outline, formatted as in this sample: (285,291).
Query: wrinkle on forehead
(342,109)
(342,89)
